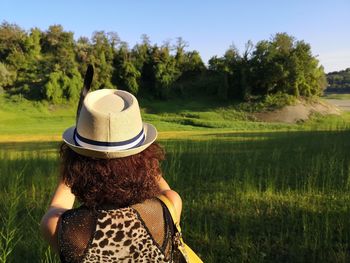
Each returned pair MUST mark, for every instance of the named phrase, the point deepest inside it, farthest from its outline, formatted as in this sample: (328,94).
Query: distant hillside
(339,80)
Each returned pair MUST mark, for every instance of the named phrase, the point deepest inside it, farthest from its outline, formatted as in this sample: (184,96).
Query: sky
(209,27)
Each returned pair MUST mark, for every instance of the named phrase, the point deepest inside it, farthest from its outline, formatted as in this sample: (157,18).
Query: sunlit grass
(22,120)
(337,96)
(248,197)
(252,191)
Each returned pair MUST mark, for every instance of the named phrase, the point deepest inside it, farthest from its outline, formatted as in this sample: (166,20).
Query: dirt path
(341,104)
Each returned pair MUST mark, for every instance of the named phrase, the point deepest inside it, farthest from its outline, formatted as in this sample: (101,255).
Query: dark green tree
(126,74)
(102,58)
(165,71)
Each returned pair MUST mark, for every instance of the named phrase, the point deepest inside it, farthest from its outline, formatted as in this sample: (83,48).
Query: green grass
(248,197)
(19,117)
(337,96)
(252,191)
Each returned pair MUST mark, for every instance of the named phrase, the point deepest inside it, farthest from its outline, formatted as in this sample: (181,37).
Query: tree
(58,49)
(192,65)
(7,77)
(286,65)
(83,53)
(49,65)
(113,39)
(12,38)
(61,86)
(102,57)
(165,71)
(32,43)
(71,85)
(339,79)
(141,60)
(219,71)
(244,75)
(180,46)
(52,89)
(229,73)
(126,74)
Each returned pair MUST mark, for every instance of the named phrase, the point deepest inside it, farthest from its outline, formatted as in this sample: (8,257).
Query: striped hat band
(109,146)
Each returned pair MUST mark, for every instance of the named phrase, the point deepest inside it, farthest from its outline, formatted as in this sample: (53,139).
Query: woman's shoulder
(176,200)
(76,213)
(81,218)
(75,229)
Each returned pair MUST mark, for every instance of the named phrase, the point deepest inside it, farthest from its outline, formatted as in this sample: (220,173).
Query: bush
(269,102)
(278,100)
(60,87)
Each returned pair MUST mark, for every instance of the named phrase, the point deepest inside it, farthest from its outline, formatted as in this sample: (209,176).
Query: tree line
(339,80)
(49,65)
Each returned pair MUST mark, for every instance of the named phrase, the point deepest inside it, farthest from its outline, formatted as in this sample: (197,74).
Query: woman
(111,163)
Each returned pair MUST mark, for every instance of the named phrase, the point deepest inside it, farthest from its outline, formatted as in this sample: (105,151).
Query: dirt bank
(301,111)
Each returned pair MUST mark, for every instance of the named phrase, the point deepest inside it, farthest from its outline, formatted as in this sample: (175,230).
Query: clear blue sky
(208,26)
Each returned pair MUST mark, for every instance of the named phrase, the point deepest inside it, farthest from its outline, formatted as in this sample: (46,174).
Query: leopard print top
(139,233)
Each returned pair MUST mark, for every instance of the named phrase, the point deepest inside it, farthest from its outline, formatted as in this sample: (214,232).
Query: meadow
(253,192)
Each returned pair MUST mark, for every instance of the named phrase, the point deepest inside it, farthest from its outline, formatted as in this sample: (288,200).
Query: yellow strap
(171,209)
(186,251)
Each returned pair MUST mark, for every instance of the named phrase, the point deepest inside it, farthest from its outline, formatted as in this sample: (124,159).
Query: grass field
(337,96)
(22,120)
(252,193)
(267,197)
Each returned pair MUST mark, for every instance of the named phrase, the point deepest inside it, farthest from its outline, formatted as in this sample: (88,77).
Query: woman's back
(110,157)
(139,233)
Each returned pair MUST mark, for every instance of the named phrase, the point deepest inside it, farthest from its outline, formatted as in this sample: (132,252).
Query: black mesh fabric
(155,216)
(77,229)
(167,246)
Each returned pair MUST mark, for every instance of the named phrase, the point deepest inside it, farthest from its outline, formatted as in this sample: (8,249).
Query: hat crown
(108,124)
(109,115)
(109,104)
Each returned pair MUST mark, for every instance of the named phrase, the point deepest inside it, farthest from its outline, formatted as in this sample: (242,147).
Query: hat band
(109,146)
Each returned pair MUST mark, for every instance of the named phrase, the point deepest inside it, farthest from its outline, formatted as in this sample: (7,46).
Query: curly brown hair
(120,182)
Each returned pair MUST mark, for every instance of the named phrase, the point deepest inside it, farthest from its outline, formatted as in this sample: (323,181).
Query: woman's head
(119,181)
(109,125)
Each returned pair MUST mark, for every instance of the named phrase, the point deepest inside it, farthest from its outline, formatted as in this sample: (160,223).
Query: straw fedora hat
(108,124)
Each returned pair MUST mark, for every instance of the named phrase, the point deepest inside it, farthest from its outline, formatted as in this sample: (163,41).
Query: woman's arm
(62,200)
(173,196)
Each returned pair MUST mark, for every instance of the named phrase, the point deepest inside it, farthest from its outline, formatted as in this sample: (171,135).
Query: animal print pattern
(121,236)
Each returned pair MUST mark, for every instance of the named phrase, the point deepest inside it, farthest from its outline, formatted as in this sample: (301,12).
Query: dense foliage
(49,65)
(339,79)
(279,65)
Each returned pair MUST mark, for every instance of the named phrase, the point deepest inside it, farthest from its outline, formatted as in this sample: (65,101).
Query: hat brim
(150,136)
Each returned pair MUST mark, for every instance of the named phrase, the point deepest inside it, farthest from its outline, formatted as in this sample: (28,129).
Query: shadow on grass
(28,146)
(265,231)
(183,104)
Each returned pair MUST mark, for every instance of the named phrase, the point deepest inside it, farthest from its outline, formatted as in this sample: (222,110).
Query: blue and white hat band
(109,146)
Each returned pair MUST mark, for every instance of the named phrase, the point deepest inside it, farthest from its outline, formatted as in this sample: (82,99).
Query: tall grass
(9,232)
(284,198)
(28,174)
(249,197)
